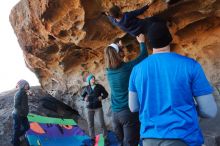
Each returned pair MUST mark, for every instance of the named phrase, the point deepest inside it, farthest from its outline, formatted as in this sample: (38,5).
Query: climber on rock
(93,94)
(129,22)
(20,112)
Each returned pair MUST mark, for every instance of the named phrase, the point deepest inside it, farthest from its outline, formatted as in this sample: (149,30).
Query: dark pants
(90,120)
(20,125)
(127,127)
(163,142)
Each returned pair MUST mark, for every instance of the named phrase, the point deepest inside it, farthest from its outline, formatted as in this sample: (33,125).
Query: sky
(12,63)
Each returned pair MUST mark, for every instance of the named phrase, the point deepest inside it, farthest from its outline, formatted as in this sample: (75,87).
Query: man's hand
(86,98)
(29,93)
(105,13)
(140,38)
(120,44)
(100,98)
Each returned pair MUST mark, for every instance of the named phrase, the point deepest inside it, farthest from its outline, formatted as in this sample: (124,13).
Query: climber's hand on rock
(140,38)
(104,13)
(120,44)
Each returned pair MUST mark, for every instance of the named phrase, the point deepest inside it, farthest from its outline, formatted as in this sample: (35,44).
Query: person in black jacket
(93,95)
(20,111)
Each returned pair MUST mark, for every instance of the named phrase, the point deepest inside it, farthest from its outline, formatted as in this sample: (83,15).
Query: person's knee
(90,122)
(25,125)
(17,126)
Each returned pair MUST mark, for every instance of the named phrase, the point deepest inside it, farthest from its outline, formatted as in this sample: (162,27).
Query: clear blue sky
(12,63)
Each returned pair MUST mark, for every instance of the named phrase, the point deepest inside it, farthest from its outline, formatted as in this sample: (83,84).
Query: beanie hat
(89,77)
(115,46)
(159,35)
(21,84)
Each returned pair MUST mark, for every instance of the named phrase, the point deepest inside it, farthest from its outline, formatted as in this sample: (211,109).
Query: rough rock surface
(63,40)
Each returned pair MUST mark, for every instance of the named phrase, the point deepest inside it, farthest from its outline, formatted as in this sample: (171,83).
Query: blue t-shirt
(166,84)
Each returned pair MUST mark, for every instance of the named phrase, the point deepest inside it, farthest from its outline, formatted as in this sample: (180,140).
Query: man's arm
(202,91)
(138,12)
(112,20)
(133,102)
(84,93)
(104,92)
(143,50)
(207,107)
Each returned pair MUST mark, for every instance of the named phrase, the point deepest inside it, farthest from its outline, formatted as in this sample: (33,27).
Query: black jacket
(21,103)
(93,94)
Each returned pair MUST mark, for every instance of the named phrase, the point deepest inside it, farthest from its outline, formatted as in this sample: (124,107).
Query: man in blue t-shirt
(163,88)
